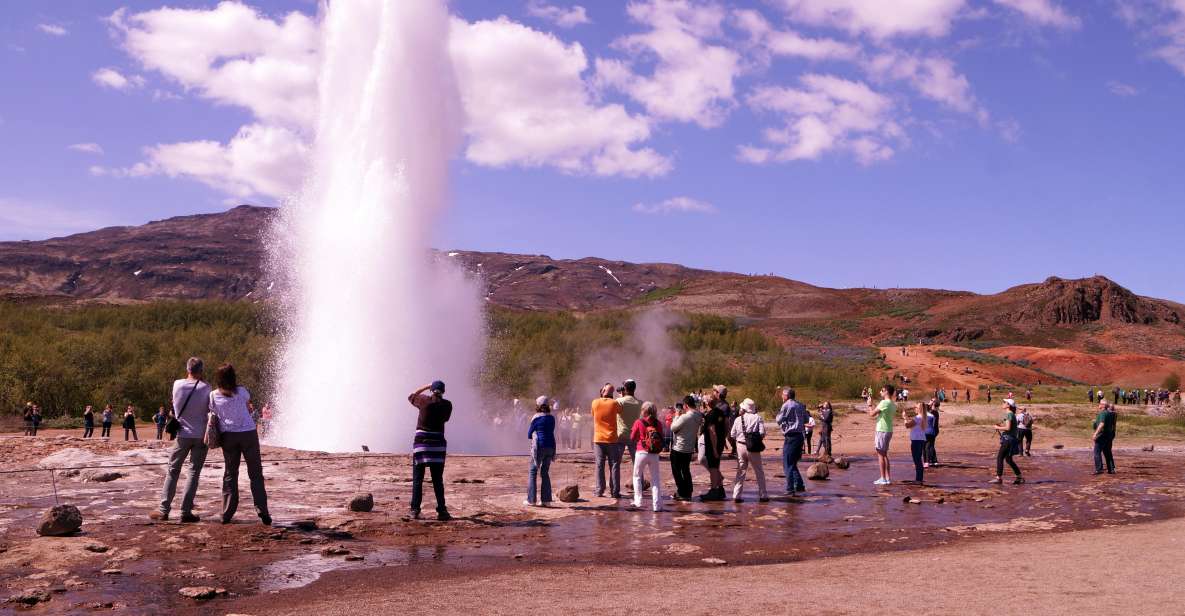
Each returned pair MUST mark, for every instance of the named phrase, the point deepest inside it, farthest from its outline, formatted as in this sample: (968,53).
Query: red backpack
(652,439)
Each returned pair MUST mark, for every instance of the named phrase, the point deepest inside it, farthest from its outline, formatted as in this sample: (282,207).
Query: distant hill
(221,256)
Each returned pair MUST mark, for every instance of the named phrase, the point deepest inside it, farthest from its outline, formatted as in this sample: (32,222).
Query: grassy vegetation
(67,357)
(659,294)
(980,358)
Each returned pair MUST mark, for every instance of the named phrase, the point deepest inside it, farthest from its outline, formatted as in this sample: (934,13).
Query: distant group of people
(1149,396)
(162,419)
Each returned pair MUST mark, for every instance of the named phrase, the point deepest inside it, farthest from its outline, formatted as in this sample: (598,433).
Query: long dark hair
(225,378)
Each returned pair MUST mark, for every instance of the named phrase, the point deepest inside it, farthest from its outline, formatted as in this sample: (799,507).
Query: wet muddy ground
(123,561)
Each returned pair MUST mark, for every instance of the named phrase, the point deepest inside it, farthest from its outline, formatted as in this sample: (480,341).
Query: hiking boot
(1018,481)
(710,496)
(158,516)
(265,519)
(738,500)
(763,499)
(226,520)
(443,516)
(189,518)
(415,514)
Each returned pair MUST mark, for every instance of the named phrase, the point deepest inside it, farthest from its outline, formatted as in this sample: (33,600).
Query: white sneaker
(528,503)
(880,482)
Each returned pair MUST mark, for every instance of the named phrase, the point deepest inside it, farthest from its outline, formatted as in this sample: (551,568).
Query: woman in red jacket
(646,436)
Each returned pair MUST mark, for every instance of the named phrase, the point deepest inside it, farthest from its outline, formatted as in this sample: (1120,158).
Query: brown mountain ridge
(221,257)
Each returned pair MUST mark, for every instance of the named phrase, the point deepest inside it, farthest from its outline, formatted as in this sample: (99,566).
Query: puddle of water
(307,568)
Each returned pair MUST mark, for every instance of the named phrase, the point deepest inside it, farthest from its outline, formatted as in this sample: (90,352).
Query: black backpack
(754,441)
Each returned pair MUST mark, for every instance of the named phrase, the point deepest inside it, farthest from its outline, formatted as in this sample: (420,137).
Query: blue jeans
(541,458)
(608,453)
(791,454)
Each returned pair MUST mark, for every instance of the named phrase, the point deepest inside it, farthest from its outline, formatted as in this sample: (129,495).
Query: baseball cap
(542,401)
(438,387)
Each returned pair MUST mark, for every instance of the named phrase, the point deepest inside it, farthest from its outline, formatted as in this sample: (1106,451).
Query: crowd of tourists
(1149,396)
(162,420)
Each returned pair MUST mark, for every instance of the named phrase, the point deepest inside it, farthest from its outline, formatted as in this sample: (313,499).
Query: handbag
(754,441)
(174,425)
(213,437)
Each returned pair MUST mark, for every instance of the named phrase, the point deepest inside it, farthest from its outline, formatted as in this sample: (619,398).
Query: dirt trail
(928,371)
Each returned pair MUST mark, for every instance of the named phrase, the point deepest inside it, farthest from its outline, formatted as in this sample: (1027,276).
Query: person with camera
(826,422)
(715,433)
(917,425)
(883,412)
(685,428)
(1104,437)
(631,410)
(792,418)
(160,419)
(190,402)
(1008,442)
(429,446)
(607,445)
(749,432)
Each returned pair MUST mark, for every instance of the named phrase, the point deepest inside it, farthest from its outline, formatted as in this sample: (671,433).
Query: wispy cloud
(563,17)
(53,29)
(1118,88)
(25,220)
(676,205)
(86,148)
(108,77)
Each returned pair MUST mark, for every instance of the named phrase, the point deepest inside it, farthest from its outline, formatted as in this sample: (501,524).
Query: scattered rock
(70,472)
(59,521)
(362,503)
(464,480)
(355,558)
(817,472)
(305,525)
(569,494)
(1059,446)
(33,596)
(111,571)
(97,548)
(519,556)
(102,476)
(913,501)
(334,550)
(714,561)
(940,500)
(1150,448)
(201,593)
(842,463)
(825,459)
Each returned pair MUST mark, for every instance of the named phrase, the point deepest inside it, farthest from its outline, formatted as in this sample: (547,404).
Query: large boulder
(362,502)
(569,494)
(842,463)
(32,596)
(59,521)
(817,472)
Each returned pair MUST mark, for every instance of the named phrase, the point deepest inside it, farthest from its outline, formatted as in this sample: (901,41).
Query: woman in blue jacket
(542,437)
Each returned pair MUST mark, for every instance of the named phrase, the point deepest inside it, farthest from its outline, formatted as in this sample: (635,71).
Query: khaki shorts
(882,441)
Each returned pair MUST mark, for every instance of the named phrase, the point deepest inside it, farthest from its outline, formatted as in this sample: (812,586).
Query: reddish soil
(1125,368)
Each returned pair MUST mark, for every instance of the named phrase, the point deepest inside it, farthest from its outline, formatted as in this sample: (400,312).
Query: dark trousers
(806,445)
(1007,446)
(238,446)
(1026,440)
(88,430)
(417,485)
(160,431)
(917,449)
(132,432)
(681,471)
(931,456)
(1102,450)
(106,429)
(824,442)
(791,454)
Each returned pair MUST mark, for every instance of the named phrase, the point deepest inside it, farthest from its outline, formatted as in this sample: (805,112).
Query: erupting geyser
(370,314)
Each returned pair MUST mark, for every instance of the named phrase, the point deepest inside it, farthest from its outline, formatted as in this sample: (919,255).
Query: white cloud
(691,80)
(789,43)
(827,113)
(53,29)
(934,77)
(1162,23)
(86,148)
(563,17)
(545,115)
(1118,88)
(676,205)
(1044,13)
(111,78)
(25,220)
(879,19)
(1010,130)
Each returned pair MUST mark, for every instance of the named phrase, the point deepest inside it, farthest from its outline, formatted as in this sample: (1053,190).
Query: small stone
(913,501)
(842,463)
(73,472)
(111,571)
(361,503)
(102,476)
(1059,446)
(979,499)
(334,550)
(355,558)
(817,472)
(715,561)
(940,500)
(201,593)
(519,556)
(59,521)
(97,548)
(305,525)
(569,494)
(1150,448)
(33,596)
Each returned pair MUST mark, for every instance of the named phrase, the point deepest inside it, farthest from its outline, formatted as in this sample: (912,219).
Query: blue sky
(968,144)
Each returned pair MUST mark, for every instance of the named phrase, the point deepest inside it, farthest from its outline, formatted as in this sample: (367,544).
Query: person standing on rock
(160,419)
(631,410)
(190,401)
(1007,431)
(749,432)
(129,423)
(808,433)
(1024,432)
(36,418)
(607,445)
(429,447)
(108,415)
(826,422)
(917,439)
(884,412)
(28,419)
(1104,438)
(715,433)
(541,433)
(932,417)
(646,436)
(88,422)
(685,429)
(239,439)
(792,418)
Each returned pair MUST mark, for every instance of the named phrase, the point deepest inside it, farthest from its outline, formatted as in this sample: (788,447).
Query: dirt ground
(1064,541)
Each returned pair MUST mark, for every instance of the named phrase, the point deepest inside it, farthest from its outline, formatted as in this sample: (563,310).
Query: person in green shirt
(1007,431)
(1104,437)
(883,412)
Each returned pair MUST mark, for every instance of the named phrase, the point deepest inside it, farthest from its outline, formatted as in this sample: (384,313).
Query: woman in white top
(749,431)
(917,438)
(239,440)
